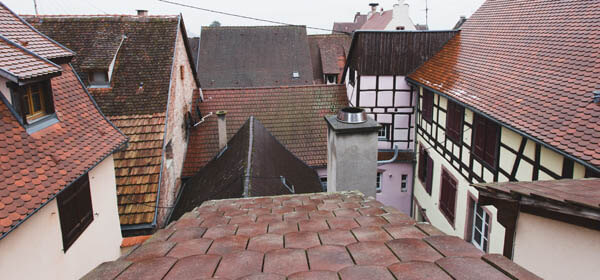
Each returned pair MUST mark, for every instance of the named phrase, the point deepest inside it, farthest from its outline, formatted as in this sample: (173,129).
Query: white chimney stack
(222,128)
(373,9)
(142,13)
(352,152)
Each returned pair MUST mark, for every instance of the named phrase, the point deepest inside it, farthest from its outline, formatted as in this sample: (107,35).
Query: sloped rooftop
(253,164)
(530,65)
(294,115)
(305,236)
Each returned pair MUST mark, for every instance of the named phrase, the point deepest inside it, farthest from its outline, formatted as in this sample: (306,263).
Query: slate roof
(530,65)
(194,45)
(230,175)
(327,52)
(137,168)
(254,56)
(305,236)
(145,56)
(581,193)
(294,115)
(17,30)
(35,168)
(18,64)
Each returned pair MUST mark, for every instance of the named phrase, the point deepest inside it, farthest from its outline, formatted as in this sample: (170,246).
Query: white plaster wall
(4,89)
(401,17)
(34,250)
(180,102)
(556,250)
(431,203)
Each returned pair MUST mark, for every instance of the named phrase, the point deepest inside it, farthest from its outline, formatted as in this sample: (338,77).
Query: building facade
(486,116)
(378,63)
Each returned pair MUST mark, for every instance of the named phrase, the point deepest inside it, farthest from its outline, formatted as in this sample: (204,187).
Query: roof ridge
(252,26)
(275,87)
(81,16)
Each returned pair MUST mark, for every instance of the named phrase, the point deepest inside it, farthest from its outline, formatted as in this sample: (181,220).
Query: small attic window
(331,79)
(295,75)
(98,79)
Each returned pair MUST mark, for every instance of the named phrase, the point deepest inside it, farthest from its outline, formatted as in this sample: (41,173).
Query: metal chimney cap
(352,115)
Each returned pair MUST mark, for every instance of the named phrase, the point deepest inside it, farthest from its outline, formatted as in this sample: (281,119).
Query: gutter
(518,131)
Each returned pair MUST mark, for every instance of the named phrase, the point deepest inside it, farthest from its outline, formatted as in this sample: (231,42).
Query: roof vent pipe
(597,96)
(142,13)
(352,115)
(222,129)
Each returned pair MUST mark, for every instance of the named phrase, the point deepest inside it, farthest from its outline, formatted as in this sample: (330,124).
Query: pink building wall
(390,100)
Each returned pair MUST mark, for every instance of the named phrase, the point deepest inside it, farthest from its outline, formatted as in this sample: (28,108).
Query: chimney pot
(222,129)
(142,12)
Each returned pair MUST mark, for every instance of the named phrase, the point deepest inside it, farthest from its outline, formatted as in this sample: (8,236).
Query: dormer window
(34,102)
(331,79)
(99,79)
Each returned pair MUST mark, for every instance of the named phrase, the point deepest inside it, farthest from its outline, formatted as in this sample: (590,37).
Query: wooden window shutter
(479,136)
(491,143)
(422,164)
(454,118)
(75,210)
(429,170)
(48,99)
(17,104)
(448,196)
(427,109)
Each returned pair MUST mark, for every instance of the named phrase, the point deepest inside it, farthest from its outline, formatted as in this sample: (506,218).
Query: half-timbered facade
(378,62)
(507,109)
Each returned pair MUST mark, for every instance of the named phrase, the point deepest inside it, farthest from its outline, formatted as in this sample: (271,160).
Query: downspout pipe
(380,162)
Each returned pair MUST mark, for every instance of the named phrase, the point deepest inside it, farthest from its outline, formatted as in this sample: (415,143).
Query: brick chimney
(352,152)
(142,13)
(222,128)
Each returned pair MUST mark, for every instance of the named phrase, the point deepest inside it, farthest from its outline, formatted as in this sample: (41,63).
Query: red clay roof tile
(36,167)
(527,65)
(303,131)
(329,254)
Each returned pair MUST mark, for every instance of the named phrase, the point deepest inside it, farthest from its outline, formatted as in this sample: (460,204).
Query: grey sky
(443,14)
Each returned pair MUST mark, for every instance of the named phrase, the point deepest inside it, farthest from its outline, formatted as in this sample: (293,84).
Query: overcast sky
(443,14)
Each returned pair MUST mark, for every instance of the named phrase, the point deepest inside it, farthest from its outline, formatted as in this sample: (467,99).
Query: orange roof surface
(21,64)
(35,168)
(294,115)
(19,31)
(530,64)
(311,236)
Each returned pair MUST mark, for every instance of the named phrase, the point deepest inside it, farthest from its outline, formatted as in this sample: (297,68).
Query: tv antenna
(35,7)
(426,13)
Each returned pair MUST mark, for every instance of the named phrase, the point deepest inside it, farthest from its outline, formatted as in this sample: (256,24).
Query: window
(448,196)
(384,132)
(485,140)
(331,79)
(403,183)
(295,75)
(75,210)
(454,121)
(99,78)
(481,227)
(324,183)
(181,72)
(34,105)
(427,105)
(32,102)
(425,169)
(379,184)
(169,154)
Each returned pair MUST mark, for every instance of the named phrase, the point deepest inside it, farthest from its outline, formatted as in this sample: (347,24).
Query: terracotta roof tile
(61,153)
(330,254)
(328,53)
(303,133)
(378,21)
(21,64)
(527,65)
(19,31)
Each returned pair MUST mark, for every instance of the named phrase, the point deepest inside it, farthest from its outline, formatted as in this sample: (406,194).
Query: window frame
(444,199)
(75,210)
(404,183)
(425,173)
(379,182)
(454,121)
(96,84)
(385,128)
(18,102)
(427,105)
(323,181)
(490,131)
(486,226)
